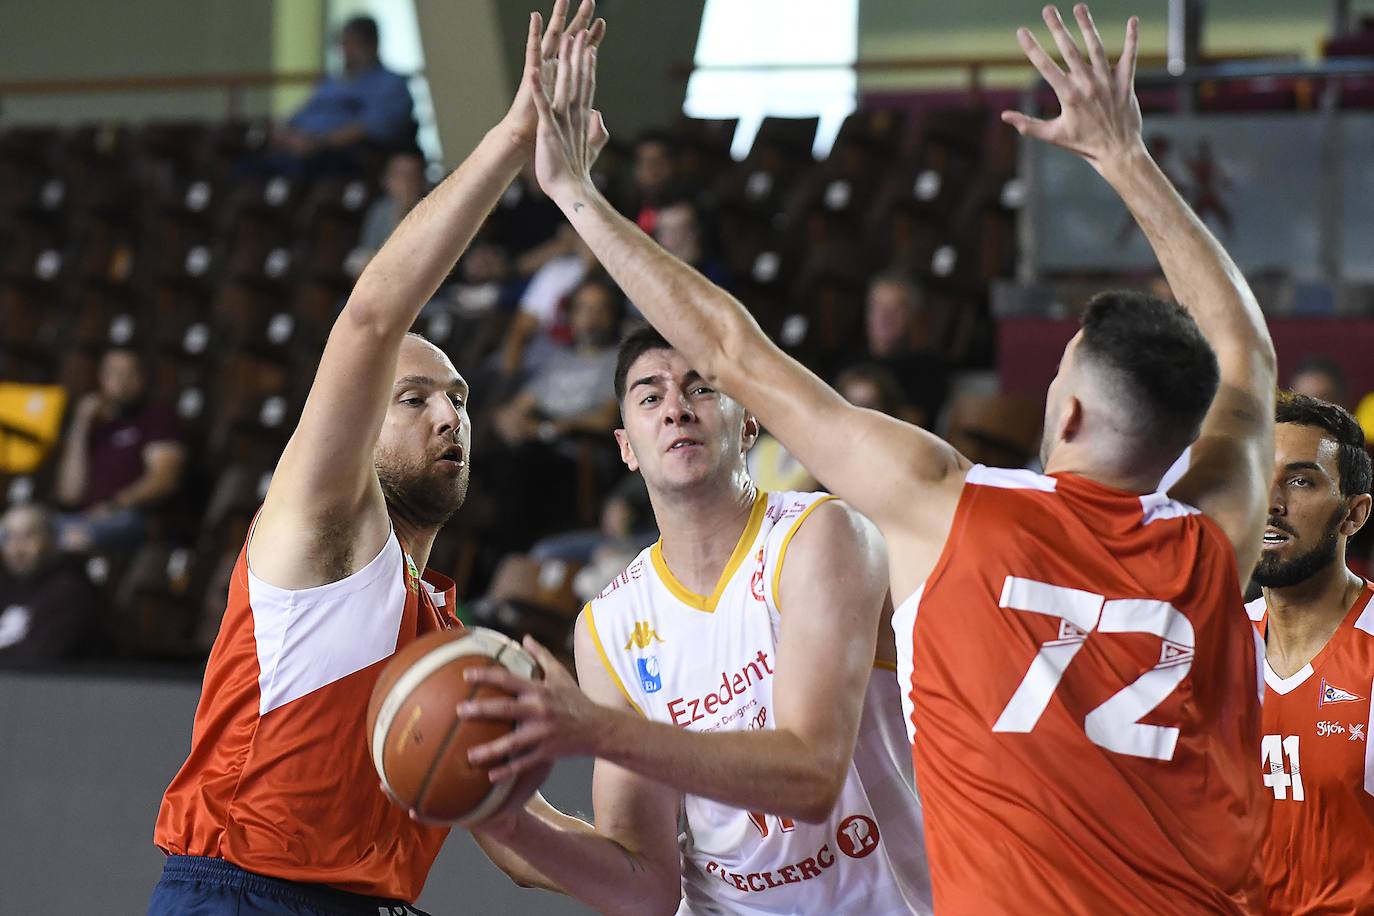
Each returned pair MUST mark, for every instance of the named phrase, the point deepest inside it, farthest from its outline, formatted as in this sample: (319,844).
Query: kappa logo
(1330,693)
(1356,731)
(643,636)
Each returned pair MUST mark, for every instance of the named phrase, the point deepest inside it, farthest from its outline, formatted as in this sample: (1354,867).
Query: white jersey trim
(309,638)
(903,627)
(1285,685)
(1365,621)
(1010,478)
(1158,506)
(1256,609)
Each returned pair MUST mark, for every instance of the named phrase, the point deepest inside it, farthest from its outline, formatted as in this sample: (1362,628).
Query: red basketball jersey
(279,780)
(1317,769)
(1081,683)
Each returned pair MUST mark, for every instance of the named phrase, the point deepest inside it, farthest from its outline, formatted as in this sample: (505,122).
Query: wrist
(511,142)
(1125,163)
(574,193)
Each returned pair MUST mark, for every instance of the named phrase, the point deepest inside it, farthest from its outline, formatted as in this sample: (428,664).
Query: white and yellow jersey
(707,663)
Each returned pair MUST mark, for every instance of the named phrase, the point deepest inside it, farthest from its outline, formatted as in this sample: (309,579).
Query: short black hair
(601,280)
(638,342)
(365,27)
(1352,460)
(1322,365)
(1169,369)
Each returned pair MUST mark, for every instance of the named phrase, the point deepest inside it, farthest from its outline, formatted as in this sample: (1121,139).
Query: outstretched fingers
(1067,48)
(1096,53)
(533,54)
(554,33)
(1042,61)
(1125,68)
(583,19)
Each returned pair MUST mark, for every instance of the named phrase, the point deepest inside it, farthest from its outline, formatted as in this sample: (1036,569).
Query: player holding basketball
(277,808)
(1076,669)
(1318,622)
(726,671)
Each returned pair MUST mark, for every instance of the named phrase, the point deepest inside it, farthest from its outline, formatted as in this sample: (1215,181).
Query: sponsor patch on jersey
(650,676)
(643,636)
(1356,731)
(1330,693)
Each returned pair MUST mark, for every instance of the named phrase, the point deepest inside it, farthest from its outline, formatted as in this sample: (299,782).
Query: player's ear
(627,452)
(1071,419)
(750,434)
(1356,514)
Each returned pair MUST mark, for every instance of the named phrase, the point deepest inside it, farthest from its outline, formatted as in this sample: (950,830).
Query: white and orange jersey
(1081,683)
(279,780)
(706,663)
(1317,768)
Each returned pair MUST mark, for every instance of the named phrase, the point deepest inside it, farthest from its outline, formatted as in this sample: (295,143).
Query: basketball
(418,742)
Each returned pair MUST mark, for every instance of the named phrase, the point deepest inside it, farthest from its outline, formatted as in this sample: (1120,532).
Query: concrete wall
(64,39)
(83,763)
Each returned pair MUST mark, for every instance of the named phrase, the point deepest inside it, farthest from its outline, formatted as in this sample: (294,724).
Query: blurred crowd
(198,268)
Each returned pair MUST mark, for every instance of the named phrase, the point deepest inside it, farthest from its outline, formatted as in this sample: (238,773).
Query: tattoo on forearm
(578,206)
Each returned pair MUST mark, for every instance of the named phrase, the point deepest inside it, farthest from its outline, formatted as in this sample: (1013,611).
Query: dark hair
(1323,365)
(1352,460)
(655,136)
(890,393)
(365,27)
(1169,370)
(638,342)
(602,280)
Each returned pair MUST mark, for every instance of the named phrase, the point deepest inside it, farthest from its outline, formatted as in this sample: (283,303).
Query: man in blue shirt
(366,104)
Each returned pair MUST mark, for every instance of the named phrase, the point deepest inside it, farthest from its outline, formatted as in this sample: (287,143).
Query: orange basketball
(418,742)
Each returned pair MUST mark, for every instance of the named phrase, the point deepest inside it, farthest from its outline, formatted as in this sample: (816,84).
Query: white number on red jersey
(1115,725)
(1273,748)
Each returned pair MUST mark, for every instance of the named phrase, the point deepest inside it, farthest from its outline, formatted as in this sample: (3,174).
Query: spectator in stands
(1322,378)
(678,229)
(47,605)
(874,387)
(403,182)
(772,466)
(529,226)
(366,105)
(534,457)
(573,392)
(891,324)
(540,325)
(122,456)
(626,519)
(654,178)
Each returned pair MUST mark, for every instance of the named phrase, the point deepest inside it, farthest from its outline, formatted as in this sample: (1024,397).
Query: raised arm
(879,465)
(325,482)
(1100,121)
(629,862)
(831,594)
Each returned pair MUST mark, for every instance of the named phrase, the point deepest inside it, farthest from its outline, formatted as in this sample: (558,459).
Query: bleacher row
(162,237)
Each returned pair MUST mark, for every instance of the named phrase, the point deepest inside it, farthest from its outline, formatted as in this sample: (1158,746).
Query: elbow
(820,792)
(725,355)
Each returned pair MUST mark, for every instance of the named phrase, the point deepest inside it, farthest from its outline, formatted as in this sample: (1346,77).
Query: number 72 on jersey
(1114,725)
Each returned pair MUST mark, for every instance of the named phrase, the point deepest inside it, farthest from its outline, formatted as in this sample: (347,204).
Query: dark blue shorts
(199,886)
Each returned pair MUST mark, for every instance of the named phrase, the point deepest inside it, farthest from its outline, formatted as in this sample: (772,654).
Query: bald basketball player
(1078,674)
(278,808)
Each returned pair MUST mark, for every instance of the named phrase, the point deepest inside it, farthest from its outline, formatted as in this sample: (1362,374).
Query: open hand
(571,132)
(553,717)
(541,52)
(1099,115)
